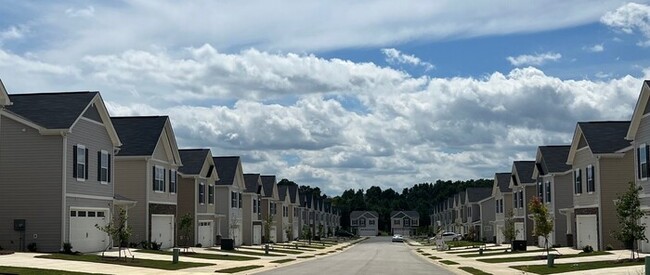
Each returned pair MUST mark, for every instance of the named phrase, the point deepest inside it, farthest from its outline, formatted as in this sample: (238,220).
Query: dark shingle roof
(293,190)
(475,194)
(51,110)
(503,179)
(282,192)
(139,135)
(267,183)
(357,214)
(605,136)
(252,182)
(303,199)
(226,168)
(555,157)
(524,169)
(412,214)
(192,160)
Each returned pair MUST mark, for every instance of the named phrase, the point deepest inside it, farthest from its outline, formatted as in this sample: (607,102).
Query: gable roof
(282,192)
(252,182)
(522,172)
(193,160)
(51,110)
(552,159)
(639,109)
(4,97)
(227,169)
(139,134)
(411,214)
(357,214)
(502,180)
(476,194)
(269,186)
(293,193)
(602,137)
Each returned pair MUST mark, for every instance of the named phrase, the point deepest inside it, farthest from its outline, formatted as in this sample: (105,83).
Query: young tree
(542,220)
(118,230)
(185,225)
(509,231)
(628,210)
(267,229)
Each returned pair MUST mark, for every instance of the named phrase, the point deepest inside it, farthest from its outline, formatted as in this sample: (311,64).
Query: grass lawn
(542,257)
(474,270)
(209,256)
(448,262)
(560,268)
(435,258)
(286,251)
(305,257)
(251,253)
(238,269)
(282,261)
(37,271)
(487,253)
(426,254)
(463,243)
(166,265)
(464,251)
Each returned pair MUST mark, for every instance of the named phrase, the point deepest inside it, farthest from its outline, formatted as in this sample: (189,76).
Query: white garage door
(521,231)
(587,231)
(162,230)
(84,236)
(645,246)
(205,233)
(257,234)
(367,232)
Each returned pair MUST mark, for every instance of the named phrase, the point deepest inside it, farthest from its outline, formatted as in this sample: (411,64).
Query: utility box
(19,225)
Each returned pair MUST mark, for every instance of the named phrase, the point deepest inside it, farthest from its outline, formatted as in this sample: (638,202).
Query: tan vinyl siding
(487,217)
(131,182)
(582,159)
(31,185)
(615,174)
(642,136)
(95,138)
(561,198)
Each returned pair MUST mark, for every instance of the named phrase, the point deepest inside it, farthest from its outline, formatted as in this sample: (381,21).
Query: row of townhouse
(578,182)
(366,223)
(66,166)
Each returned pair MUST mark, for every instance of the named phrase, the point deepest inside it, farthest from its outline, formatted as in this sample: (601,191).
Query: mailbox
(19,225)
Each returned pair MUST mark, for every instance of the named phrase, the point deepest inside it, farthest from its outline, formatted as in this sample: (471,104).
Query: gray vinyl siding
(562,190)
(31,178)
(186,196)
(487,217)
(155,196)
(95,138)
(248,216)
(615,174)
(131,182)
(582,159)
(642,136)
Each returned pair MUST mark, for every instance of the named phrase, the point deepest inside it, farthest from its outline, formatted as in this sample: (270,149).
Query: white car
(448,236)
(398,238)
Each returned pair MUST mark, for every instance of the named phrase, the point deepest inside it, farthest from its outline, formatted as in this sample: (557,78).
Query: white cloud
(394,56)
(595,48)
(13,32)
(537,59)
(630,18)
(84,12)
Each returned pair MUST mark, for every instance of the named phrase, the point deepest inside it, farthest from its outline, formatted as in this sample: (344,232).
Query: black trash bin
(518,245)
(227,244)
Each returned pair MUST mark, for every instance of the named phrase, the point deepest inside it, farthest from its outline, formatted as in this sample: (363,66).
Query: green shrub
(67,248)
(32,247)
(587,249)
(199,245)
(609,247)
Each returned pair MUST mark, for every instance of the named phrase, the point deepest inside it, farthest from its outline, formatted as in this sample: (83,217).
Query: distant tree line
(421,197)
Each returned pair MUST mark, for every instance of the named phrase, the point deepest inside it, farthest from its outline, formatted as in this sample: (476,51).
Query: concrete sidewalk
(29,260)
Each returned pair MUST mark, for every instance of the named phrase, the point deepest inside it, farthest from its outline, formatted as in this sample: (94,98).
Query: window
(354,222)
(172,181)
(239,198)
(73,213)
(80,169)
(273,211)
(202,193)
(515,201)
(254,206)
(521,198)
(100,214)
(577,181)
(233,199)
(81,213)
(642,161)
(362,222)
(103,166)
(501,205)
(540,189)
(91,213)
(396,222)
(158,179)
(496,206)
(211,194)
(259,206)
(591,185)
(548,191)
(407,222)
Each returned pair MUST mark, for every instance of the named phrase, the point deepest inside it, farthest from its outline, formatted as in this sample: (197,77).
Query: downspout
(64,188)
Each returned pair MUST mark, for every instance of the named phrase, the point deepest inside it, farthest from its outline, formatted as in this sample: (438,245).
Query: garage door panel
(205,233)
(84,234)
(587,229)
(162,230)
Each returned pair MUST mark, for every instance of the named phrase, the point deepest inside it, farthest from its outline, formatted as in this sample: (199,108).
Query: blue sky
(341,94)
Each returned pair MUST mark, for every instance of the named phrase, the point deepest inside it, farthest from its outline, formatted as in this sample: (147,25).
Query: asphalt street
(376,255)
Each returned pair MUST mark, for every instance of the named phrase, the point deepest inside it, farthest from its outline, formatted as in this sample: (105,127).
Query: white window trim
(211,187)
(108,171)
(82,179)
(163,178)
(642,145)
(593,178)
(574,182)
(198,195)
(174,175)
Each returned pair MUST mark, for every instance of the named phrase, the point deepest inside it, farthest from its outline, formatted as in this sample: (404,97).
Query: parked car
(398,238)
(448,236)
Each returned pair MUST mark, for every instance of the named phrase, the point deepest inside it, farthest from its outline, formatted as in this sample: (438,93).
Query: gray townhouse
(70,140)
(229,189)
(270,201)
(404,222)
(639,136)
(603,164)
(364,223)
(282,215)
(503,201)
(196,196)
(554,180)
(487,218)
(474,195)
(523,190)
(252,210)
(146,170)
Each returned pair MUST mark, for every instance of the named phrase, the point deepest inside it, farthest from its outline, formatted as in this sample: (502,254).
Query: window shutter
(153,178)
(109,168)
(164,180)
(638,162)
(74,161)
(99,165)
(87,162)
(170,180)
(647,159)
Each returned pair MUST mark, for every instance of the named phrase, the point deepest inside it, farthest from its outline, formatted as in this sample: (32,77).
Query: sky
(343,94)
